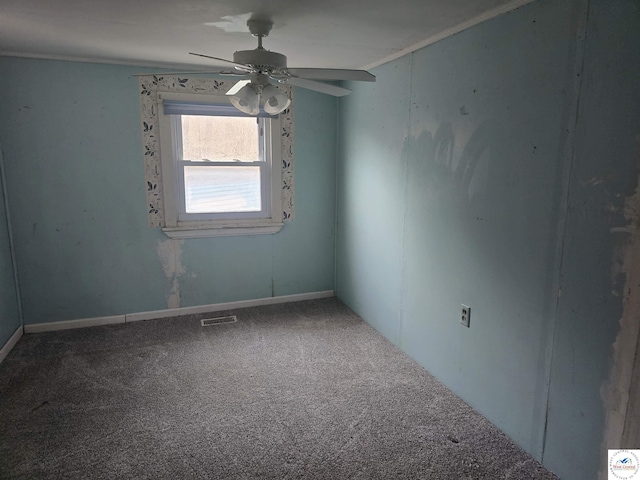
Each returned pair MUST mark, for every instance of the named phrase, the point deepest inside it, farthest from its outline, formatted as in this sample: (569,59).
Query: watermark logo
(624,464)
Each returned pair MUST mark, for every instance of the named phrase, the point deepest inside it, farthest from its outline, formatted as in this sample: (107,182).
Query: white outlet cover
(465,315)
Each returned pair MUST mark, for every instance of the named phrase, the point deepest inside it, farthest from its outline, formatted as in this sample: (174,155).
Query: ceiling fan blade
(238,66)
(214,58)
(237,87)
(318,86)
(216,72)
(332,74)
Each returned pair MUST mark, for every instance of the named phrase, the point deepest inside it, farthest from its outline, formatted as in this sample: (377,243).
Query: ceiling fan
(263,67)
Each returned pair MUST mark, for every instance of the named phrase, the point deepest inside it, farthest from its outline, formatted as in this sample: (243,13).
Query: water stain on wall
(170,255)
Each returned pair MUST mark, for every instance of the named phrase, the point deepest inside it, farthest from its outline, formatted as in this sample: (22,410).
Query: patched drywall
(620,392)
(596,323)
(170,255)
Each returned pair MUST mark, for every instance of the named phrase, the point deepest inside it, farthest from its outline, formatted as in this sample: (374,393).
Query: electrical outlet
(465,316)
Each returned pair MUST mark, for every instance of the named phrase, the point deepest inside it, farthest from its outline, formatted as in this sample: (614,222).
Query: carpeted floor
(296,391)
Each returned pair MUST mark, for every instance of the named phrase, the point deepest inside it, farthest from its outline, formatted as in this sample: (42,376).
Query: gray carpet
(296,391)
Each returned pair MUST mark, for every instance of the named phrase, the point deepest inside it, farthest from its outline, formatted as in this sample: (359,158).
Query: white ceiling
(329,33)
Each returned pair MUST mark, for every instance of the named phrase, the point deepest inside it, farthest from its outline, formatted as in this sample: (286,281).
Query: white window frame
(178,223)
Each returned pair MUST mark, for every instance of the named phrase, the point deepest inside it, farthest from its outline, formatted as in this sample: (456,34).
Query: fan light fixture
(247,100)
(249,97)
(274,101)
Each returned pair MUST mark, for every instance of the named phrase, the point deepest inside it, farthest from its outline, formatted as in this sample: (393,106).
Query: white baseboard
(172,312)
(67,324)
(217,307)
(13,339)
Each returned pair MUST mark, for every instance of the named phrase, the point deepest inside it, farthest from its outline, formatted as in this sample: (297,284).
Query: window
(220,168)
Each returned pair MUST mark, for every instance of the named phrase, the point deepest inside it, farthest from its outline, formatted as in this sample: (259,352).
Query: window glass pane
(213,189)
(219,139)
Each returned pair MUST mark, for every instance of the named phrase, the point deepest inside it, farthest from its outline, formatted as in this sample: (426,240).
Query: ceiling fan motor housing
(261,59)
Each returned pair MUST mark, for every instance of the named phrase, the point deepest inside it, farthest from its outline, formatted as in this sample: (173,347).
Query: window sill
(203,230)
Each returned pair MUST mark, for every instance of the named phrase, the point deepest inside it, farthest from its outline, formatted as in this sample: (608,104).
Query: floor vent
(207,322)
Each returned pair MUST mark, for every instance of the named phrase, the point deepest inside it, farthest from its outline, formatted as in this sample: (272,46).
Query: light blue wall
(9,313)
(72,144)
(371,178)
(457,173)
